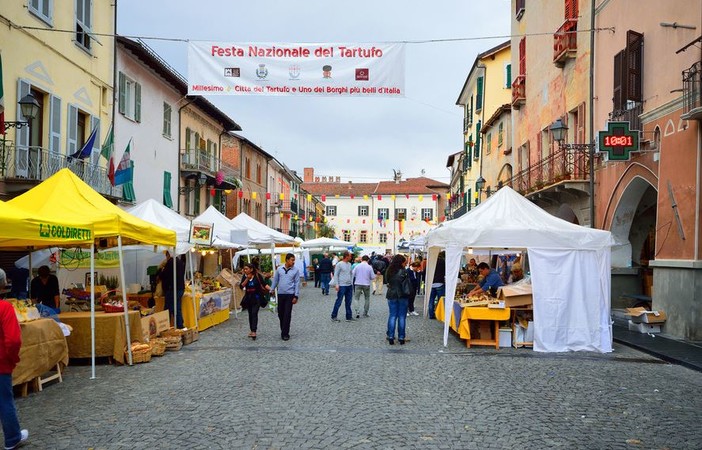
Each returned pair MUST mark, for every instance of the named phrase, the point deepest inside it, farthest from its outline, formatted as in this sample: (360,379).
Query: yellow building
(70,76)
(485,99)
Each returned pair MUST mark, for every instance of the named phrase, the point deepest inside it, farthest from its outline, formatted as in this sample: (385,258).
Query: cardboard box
(513,296)
(642,315)
(505,337)
(644,327)
(155,324)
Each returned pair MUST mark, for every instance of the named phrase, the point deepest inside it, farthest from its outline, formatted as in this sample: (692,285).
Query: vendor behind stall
(44,289)
(490,282)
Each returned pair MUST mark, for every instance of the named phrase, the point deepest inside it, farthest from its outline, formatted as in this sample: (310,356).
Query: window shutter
(580,126)
(476,151)
(23,88)
(187,138)
(508,76)
(137,102)
(196,201)
(167,201)
(634,58)
(55,125)
(72,140)
(122,93)
(469,151)
(617,93)
(479,98)
(522,56)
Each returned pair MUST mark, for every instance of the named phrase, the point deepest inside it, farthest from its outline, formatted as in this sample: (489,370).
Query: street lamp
(29,106)
(559,131)
(480,184)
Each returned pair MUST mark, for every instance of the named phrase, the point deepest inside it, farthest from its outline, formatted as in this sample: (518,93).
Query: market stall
(67,196)
(212,308)
(461,316)
(570,268)
(111,338)
(43,348)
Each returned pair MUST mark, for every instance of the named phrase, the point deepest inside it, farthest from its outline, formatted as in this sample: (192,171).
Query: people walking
(379,266)
(438,286)
(315,265)
(397,294)
(344,287)
(415,278)
(254,286)
(363,276)
(10,343)
(325,271)
(287,280)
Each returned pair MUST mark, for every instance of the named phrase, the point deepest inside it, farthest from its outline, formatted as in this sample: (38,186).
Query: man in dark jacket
(438,286)
(379,267)
(325,270)
(174,308)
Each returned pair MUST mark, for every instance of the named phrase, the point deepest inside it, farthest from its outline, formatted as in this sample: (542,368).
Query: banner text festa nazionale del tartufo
(348,70)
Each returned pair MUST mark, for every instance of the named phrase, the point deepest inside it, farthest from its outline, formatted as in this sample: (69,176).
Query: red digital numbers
(618,141)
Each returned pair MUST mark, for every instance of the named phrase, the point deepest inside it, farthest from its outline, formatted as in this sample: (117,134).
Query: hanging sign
(201,233)
(346,70)
(619,141)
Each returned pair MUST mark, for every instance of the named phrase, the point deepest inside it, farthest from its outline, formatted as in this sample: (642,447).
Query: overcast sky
(359,139)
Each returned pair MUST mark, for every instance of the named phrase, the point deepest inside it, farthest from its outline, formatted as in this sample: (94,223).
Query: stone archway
(632,221)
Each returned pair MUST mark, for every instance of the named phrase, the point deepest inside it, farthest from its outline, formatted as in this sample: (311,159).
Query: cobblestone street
(340,385)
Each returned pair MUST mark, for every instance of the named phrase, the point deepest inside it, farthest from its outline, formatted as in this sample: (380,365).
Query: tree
(326,231)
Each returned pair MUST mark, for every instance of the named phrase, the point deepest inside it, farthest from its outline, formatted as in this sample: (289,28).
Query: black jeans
(410,303)
(285,313)
(252,307)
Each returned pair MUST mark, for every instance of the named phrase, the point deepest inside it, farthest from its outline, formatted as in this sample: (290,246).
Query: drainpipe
(114,96)
(180,144)
(591,150)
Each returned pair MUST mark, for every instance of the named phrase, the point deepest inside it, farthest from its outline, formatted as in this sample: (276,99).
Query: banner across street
(348,70)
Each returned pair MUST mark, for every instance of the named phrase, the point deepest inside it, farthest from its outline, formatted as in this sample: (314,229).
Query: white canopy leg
(124,300)
(92,311)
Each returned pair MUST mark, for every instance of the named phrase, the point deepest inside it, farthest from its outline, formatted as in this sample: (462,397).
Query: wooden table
(110,333)
(212,308)
(43,347)
(462,316)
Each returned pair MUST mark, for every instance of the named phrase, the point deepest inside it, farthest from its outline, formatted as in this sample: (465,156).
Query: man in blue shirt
(287,280)
(490,282)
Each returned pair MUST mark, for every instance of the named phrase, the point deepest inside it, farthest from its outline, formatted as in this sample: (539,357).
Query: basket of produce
(188,336)
(158,347)
(141,353)
(111,302)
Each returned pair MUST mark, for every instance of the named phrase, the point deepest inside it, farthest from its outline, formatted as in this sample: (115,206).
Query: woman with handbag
(398,293)
(255,292)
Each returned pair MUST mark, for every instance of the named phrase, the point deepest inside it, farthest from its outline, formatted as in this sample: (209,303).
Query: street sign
(619,141)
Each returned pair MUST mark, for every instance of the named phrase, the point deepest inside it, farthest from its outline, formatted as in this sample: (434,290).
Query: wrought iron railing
(563,165)
(565,41)
(459,211)
(631,115)
(519,91)
(692,89)
(35,164)
(201,161)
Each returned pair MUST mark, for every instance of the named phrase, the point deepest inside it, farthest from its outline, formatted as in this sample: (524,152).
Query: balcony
(565,42)
(199,161)
(563,166)
(459,211)
(631,115)
(467,122)
(692,92)
(519,91)
(286,206)
(23,167)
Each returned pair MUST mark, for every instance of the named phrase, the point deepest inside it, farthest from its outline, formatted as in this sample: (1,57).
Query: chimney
(316,179)
(324,179)
(308,174)
(338,179)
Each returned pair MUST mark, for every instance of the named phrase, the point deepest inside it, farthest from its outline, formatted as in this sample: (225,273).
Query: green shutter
(122,93)
(508,76)
(476,151)
(196,202)
(167,190)
(468,194)
(137,102)
(479,97)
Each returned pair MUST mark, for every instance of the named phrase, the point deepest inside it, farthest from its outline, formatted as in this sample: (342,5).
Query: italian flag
(2,102)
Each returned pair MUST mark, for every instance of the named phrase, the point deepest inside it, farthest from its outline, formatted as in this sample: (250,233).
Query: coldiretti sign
(81,258)
(64,232)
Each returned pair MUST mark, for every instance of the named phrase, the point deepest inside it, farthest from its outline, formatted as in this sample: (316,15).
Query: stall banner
(72,259)
(215,301)
(346,70)
(201,233)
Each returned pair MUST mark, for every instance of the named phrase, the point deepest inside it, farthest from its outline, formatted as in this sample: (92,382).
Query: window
(247,168)
(383,213)
(43,9)
(363,237)
(488,143)
(347,235)
(522,56)
(508,75)
(500,134)
(519,9)
(331,211)
(427,214)
(167,201)
(84,21)
(258,173)
(383,238)
(479,95)
(363,211)
(476,147)
(129,98)
(627,72)
(400,213)
(167,112)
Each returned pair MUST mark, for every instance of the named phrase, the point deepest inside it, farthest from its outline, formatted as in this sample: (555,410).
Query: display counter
(212,308)
(110,334)
(43,347)
(461,318)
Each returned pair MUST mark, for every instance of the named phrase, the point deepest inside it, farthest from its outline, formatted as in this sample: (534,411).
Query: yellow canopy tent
(23,229)
(65,195)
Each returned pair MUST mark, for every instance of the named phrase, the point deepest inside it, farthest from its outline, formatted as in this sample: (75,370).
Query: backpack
(378,265)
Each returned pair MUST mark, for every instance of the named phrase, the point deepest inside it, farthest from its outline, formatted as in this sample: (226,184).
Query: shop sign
(201,233)
(49,231)
(619,141)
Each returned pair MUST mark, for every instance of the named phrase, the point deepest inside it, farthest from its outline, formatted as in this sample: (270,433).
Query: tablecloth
(110,334)
(467,313)
(43,346)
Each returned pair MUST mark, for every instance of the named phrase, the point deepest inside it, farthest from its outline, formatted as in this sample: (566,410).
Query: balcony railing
(631,115)
(565,42)
(467,122)
(563,165)
(35,164)
(692,92)
(199,160)
(460,211)
(519,91)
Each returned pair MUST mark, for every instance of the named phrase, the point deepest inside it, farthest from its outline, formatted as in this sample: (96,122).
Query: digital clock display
(618,141)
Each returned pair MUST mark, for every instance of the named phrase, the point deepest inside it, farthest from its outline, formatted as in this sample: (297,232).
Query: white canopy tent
(570,268)
(260,235)
(325,242)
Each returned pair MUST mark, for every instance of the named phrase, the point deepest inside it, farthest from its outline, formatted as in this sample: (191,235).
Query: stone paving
(340,385)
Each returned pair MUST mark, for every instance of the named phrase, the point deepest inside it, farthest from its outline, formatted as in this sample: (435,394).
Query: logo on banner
(232,72)
(362,75)
(326,71)
(294,72)
(262,72)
